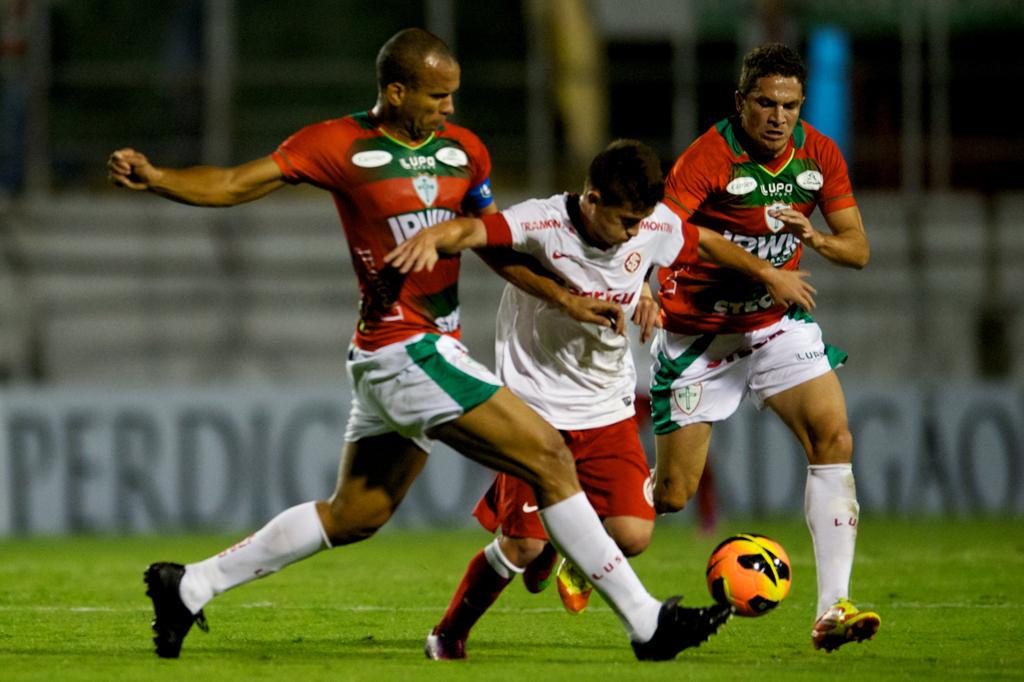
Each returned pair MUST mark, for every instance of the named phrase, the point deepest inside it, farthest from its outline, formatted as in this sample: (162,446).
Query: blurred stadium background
(167,367)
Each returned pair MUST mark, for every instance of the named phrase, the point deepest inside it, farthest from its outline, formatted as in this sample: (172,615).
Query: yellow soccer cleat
(573,587)
(841,623)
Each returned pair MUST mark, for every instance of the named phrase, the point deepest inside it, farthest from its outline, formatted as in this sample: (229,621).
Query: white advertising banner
(227,459)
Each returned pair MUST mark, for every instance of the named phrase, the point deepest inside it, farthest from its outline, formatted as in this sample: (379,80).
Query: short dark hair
(627,173)
(773,59)
(402,56)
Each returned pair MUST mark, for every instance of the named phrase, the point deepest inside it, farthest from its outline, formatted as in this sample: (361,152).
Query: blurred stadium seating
(140,290)
(101,286)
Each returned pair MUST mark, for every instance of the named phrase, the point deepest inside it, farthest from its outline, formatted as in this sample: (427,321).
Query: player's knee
(353,523)
(832,447)
(521,551)
(671,495)
(632,541)
(551,459)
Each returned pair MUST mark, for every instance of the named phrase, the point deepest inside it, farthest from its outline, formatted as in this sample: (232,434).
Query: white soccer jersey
(576,375)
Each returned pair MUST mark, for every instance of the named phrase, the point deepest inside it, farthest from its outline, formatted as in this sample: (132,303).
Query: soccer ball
(749,571)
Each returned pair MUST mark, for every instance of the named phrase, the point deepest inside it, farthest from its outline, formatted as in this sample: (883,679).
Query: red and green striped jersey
(715,184)
(385,192)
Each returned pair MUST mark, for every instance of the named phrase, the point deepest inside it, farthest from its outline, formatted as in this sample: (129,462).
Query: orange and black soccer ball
(751,572)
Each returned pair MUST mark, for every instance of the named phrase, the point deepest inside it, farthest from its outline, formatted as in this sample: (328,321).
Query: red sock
(480,587)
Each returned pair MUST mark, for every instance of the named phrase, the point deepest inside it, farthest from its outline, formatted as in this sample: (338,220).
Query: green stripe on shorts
(795,312)
(465,389)
(668,372)
(836,356)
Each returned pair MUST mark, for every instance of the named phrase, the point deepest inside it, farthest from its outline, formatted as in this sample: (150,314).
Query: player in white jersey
(578,376)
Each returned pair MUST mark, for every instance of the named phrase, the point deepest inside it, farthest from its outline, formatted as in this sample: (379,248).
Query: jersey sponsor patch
(404,226)
(655,225)
(741,186)
(372,158)
(810,179)
(545,224)
(777,249)
(452,156)
(633,261)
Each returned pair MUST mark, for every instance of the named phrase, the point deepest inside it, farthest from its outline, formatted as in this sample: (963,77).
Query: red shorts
(611,466)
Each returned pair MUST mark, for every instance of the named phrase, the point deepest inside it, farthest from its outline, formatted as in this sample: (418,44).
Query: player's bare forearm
(646,314)
(594,311)
(850,249)
(847,245)
(527,274)
(717,249)
(422,250)
(458,234)
(196,185)
(524,272)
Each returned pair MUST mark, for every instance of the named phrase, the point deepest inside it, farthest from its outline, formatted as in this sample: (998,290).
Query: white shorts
(411,386)
(704,378)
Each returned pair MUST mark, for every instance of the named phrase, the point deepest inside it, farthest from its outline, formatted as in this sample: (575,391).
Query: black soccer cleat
(172,620)
(681,628)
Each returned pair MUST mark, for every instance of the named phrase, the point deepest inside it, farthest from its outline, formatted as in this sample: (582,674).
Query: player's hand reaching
(790,287)
(604,313)
(423,249)
(796,223)
(646,315)
(417,253)
(129,168)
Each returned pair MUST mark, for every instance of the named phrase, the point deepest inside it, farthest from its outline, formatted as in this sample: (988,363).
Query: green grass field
(950,593)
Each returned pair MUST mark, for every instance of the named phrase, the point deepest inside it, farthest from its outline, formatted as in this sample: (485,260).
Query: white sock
(832,512)
(575,530)
(294,534)
(499,562)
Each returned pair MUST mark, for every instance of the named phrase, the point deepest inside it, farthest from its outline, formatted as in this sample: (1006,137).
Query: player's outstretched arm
(848,243)
(422,250)
(196,185)
(524,272)
(785,286)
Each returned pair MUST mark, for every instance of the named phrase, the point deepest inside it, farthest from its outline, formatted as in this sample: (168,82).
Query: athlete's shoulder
(538,216)
(334,129)
(808,137)
(662,214)
(716,148)
(464,136)
(552,204)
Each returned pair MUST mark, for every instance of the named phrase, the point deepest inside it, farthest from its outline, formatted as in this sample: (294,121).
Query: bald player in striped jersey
(755,178)
(392,171)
